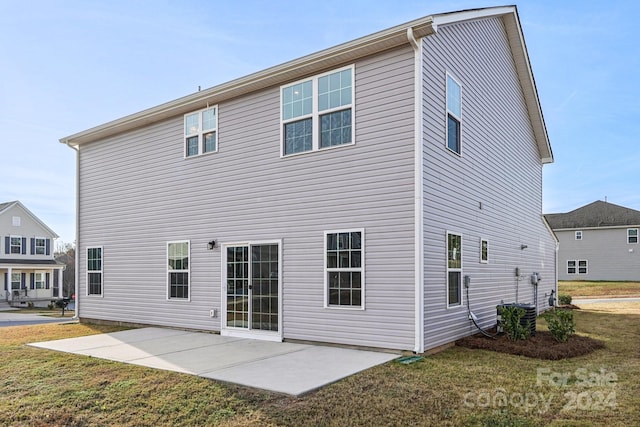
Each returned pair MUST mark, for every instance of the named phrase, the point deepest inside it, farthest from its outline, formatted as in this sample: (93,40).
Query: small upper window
(16,221)
(318,113)
(200,132)
(578,235)
(454,114)
(484,251)
(632,235)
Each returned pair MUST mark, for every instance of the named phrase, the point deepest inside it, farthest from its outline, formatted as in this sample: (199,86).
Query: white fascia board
(274,76)
(509,15)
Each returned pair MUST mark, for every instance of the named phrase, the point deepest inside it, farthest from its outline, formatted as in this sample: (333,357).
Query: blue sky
(66,66)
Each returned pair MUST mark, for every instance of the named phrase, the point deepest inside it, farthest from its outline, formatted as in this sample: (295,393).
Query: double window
(94,271)
(200,132)
(318,113)
(578,235)
(16,245)
(632,235)
(178,270)
(454,269)
(577,267)
(454,114)
(344,268)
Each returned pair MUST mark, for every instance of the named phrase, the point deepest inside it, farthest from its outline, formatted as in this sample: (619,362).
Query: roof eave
(277,75)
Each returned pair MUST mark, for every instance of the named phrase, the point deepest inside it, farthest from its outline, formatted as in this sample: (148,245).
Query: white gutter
(76,284)
(418,195)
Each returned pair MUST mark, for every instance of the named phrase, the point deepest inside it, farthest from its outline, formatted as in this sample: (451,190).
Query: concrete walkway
(293,369)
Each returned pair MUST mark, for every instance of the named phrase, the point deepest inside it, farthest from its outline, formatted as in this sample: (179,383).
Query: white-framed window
(16,280)
(578,235)
(39,280)
(40,246)
(318,112)
(178,270)
(454,269)
(577,266)
(16,221)
(16,245)
(453,114)
(344,268)
(201,132)
(94,271)
(484,251)
(632,235)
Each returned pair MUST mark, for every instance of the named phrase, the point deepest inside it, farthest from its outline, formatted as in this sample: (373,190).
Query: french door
(251,290)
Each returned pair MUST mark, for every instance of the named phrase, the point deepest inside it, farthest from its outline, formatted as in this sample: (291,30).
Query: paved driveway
(12,318)
(603,300)
(287,368)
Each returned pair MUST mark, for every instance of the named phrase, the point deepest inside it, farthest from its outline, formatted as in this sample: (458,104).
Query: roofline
(333,57)
(606,227)
(35,218)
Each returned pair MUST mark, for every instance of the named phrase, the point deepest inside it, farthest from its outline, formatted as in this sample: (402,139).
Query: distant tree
(66,254)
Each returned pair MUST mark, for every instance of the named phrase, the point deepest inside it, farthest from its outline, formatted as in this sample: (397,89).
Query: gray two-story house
(598,241)
(347,197)
(29,274)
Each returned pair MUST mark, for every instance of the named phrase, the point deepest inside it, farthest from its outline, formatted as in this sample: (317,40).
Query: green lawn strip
(455,387)
(599,289)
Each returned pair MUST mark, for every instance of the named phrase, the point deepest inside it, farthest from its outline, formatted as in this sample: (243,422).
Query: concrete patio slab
(288,368)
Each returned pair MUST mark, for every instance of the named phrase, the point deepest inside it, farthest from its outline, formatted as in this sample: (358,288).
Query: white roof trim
(336,56)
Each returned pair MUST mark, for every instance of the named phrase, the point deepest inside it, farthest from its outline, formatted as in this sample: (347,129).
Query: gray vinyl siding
(492,191)
(28,229)
(608,255)
(137,192)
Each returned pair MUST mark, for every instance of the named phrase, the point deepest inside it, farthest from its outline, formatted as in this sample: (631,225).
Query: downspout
(77,252)
(418,195)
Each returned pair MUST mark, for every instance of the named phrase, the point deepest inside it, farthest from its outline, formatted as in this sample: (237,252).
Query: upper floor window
(454,114)
(200,132)
(318,113)
(578,235)
(16,245)
(94,271)
(632,235)
(178,270)
(40,246)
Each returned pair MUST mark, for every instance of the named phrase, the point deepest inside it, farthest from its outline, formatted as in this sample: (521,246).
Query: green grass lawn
(599,289)
(455,387)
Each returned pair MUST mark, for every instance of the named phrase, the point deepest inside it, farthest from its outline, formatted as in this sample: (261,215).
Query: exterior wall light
(211,245)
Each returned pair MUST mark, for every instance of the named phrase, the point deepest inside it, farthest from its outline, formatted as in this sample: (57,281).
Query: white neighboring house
(28,271)
(598,241)
(341,197)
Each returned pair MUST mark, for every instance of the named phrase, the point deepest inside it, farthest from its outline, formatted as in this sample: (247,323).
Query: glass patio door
(252,287)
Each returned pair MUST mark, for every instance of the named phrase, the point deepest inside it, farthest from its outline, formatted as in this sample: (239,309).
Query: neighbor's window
(40,246)
(454,114)
(632,235)
(94,271)
(578,235)
(39,280)
(318,112)
(454,269)
(484,251)
(16,245)
(178,269)
(344,268)
(200,132)
(577,267)
(16,280)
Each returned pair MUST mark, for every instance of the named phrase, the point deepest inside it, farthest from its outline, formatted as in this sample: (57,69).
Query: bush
(30,304)
(561,324)
(564,299)
(511,322)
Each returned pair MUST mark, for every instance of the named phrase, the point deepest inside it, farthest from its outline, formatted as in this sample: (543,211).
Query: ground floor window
(16,280)
(577,267)
(454,269)
(178,270)
(39,280)
(94,271)
(344,268)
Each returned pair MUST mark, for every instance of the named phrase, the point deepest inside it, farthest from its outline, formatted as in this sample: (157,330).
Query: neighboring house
(28,271)
(598,241)
(341,197)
